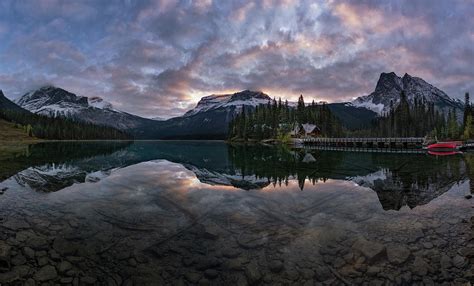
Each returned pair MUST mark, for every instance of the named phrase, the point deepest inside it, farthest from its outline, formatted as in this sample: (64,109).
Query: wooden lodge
(305,130)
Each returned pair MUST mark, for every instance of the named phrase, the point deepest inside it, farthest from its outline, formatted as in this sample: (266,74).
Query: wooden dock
(384,143)
(364,150)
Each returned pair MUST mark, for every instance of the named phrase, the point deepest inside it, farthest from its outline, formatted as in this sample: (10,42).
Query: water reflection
(187,213)
(398,179)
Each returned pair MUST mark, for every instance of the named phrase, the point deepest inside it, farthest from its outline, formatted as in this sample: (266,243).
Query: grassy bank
(14,133)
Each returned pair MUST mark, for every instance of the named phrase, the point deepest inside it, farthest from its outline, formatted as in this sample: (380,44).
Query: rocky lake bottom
(168,213)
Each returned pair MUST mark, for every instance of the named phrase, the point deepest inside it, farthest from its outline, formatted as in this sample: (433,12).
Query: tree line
(60,128)
(421,119)
(277,119)
(468,120)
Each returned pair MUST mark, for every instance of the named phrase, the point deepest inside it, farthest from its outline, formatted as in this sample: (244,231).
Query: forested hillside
(59,128)
(421,119)
(54,128)
(277,119)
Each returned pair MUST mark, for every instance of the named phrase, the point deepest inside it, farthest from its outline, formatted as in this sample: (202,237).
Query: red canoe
(443,146)
(445,153)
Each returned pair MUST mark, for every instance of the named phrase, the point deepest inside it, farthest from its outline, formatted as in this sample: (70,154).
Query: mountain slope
(208,120)
(389,87)
(7,104)
(352,117)
(53,102)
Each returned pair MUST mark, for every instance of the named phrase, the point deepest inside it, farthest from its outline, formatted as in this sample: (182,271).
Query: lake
(208,213)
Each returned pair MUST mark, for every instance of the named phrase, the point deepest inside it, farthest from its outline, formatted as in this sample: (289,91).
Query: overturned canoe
(448,146)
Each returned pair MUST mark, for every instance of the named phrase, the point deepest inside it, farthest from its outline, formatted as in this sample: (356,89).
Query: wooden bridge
(405,143)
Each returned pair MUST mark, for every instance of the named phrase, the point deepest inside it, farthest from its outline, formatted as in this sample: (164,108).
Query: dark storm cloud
(157,58)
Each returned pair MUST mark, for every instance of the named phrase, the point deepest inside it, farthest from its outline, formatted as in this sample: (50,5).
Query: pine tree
(468,128)
(467,109)
(300,110)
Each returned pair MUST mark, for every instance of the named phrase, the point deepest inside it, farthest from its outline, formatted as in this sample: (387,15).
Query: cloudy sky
(158,57)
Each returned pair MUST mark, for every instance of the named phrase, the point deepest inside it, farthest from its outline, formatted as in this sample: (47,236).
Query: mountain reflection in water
(208,213)
(398,179)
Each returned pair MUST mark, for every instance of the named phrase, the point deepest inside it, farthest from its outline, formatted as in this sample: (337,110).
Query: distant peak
(247,94)
(47,87)
(389,75)
(407,76)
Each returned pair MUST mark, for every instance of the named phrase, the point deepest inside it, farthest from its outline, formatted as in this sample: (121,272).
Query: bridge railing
(365,139)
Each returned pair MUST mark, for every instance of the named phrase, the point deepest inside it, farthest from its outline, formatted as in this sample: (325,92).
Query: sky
(159,57)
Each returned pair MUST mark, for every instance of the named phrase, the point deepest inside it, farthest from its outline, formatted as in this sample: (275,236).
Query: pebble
(370,249)
(428,245)
(18,260)
(30,282)
(420,267)
(276,266)
(397,254)
(192,277)
(252,272)
(63,246)
(64,266)
(30,253)
(45,273)
(211,273)
(458,261)
(43,261)
(88,280)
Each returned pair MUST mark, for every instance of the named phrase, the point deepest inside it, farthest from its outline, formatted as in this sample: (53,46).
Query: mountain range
(212,114)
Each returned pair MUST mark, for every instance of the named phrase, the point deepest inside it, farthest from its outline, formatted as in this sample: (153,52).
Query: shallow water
(158,213)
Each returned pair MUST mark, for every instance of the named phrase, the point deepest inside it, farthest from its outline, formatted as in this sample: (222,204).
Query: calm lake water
(208,213)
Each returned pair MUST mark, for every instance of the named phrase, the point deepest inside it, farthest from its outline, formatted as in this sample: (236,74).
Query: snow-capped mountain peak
(237,100)
(389,87)
(53,102)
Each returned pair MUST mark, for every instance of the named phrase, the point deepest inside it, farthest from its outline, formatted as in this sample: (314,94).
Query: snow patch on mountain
(100,103)
(378,108)
(238,100)
(54,102)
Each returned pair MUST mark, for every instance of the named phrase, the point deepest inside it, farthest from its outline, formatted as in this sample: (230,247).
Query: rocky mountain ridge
(389,87)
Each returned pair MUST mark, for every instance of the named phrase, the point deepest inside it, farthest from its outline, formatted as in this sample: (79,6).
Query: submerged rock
(370,249)
(63,246)
(459,261)
(276,266)
(9,277)
(420,267)
(5,254)
(46,273)
(211,273)
(397,254)
(252,272)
